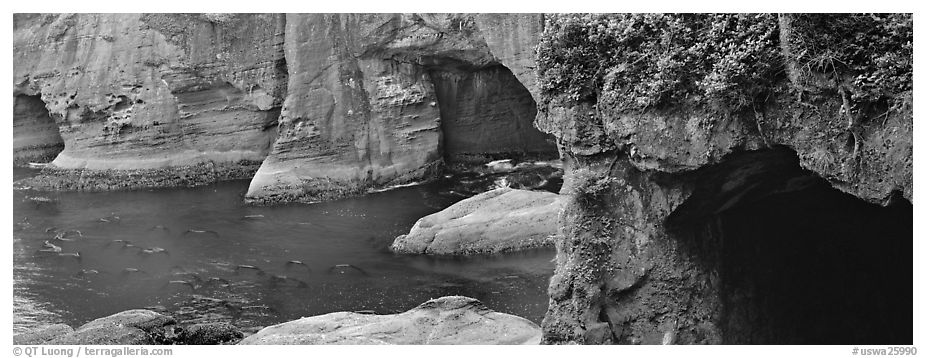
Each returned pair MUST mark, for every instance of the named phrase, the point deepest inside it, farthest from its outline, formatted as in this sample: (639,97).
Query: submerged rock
(129,327)
(43,335)
(445,320)
(500,220)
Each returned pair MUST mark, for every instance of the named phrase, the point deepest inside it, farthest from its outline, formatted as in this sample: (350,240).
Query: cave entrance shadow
(801,264)
(36,137)
(486,114)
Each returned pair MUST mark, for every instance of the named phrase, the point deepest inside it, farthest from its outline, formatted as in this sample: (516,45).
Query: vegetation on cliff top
(640,61)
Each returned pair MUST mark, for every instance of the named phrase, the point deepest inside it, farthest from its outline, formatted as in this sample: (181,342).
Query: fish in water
(61,237)
(75,255)
(111,218)
(131,270)
(197,231)
(180,282)
(153,250)
(39,199)
(293,263)
(49,247)
(365,312)
(86,273)
(345,268)
(250,267)
(252,217)
(119,242)
(130,246)
(50,229)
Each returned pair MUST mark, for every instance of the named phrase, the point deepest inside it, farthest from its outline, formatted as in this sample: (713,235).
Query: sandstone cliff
(377,100)
(327,105)
(149,92)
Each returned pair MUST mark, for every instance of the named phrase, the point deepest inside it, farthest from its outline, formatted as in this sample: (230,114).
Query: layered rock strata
(327,105)
(153,94)
(376,100)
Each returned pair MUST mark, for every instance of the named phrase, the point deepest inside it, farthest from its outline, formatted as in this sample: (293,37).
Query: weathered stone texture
(154,91)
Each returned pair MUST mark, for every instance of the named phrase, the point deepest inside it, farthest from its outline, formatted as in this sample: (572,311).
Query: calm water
(196,276)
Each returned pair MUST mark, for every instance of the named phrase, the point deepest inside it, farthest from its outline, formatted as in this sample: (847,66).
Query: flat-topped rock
(445,320)
(496,221)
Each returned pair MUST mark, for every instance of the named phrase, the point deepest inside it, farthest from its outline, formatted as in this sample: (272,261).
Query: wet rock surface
(496,221)
(445,320)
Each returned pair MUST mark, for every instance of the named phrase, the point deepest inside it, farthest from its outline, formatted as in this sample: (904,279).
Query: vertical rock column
(348,123)
(619,277)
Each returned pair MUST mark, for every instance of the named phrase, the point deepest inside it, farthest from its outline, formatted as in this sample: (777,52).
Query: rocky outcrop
(376,100)
(327,105)
(128,327)
(496,221)
(445,320)
(137,326)
(155,93)
(691,222)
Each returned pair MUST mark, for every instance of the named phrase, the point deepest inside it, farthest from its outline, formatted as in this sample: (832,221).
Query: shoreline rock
(445,320)
(57,179)
(496,221)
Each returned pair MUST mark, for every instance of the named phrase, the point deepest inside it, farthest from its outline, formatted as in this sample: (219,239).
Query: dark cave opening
(799,261)
(486,114)
(36,137)
(817,266)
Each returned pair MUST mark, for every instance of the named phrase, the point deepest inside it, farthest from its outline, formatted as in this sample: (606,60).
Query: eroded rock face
(362,100)
(496,221)
(376,100)
(132,92)
(687,224)
(445,320)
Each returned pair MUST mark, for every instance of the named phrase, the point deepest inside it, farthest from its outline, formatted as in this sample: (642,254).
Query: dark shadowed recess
(35,134)
(799,261)
(486,114)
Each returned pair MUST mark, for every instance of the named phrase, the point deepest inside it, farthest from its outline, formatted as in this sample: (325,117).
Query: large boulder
(129,327)
(496,221)
(446,320)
